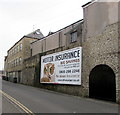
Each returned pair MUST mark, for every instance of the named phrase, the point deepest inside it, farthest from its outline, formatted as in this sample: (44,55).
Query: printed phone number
(70,71)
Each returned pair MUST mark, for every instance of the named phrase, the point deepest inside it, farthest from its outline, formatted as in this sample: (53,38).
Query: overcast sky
(20,17)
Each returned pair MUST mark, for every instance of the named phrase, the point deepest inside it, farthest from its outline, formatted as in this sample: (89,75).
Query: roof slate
(35,34)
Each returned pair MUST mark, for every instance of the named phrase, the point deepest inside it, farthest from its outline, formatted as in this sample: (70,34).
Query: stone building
(100,50)
(17,53)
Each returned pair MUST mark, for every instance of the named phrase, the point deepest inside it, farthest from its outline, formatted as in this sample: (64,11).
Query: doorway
(102,84)
(19,76)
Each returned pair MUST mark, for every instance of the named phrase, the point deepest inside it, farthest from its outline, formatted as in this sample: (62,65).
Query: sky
(21,17)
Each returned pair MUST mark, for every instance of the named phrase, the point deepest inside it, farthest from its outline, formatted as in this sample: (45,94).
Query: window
(74,36)
(20,47)
(11,52)
(13,64)
(15,50)
(16,62)
(9,64)
(20,60)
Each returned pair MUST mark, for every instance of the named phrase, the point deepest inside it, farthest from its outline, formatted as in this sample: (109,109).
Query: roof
(87,4)
(60,30)
(74,28)
(35,34)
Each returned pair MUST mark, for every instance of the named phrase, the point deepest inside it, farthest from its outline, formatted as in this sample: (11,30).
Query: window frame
(73,39)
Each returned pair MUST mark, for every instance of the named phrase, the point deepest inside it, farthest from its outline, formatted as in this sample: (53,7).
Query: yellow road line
(17,103)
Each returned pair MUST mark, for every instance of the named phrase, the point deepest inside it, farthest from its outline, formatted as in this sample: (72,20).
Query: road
(9,107)
(37,100)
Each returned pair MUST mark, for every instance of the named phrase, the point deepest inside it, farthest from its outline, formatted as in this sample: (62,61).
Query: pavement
(38,100)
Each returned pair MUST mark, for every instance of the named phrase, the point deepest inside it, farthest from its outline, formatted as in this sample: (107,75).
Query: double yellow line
(17,103)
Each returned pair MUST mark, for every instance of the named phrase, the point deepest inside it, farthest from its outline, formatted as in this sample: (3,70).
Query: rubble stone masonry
(102,49)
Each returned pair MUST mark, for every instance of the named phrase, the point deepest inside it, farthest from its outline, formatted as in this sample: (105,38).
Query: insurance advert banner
(62,67)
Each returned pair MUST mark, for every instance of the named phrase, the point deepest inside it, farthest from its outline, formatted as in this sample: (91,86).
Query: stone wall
(102,49)
(29,70)
(100,36)
(97,50)
(119,60)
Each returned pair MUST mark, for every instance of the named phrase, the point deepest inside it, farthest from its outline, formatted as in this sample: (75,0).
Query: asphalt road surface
(9,107)
(37,100)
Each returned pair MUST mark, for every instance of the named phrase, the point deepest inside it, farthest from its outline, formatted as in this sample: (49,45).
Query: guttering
(89,3)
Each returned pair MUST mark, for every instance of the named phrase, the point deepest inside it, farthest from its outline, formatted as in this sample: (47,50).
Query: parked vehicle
(5,78)
(15,80)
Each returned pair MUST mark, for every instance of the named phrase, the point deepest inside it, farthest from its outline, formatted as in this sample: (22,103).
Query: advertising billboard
(62,67)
